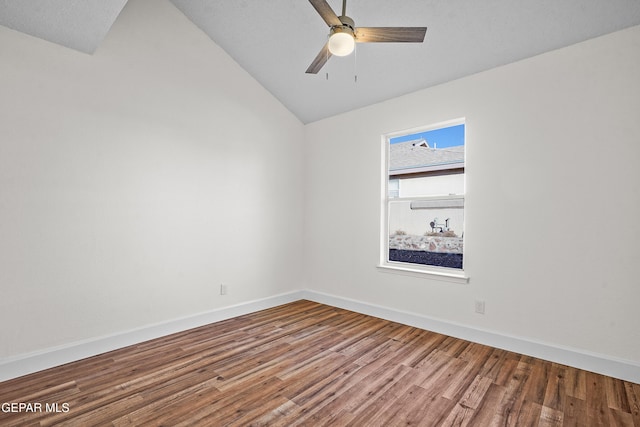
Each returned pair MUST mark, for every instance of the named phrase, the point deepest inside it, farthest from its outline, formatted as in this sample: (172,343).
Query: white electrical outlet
(479,306)
(223,289)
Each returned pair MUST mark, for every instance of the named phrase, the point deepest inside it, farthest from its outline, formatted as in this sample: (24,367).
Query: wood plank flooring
(309,364)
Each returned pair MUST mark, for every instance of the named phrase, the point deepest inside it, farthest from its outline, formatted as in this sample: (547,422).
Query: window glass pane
(426,197)
(429,236)
(394,188)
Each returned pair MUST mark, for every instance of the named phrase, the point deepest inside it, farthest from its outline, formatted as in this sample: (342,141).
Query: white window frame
(420,270)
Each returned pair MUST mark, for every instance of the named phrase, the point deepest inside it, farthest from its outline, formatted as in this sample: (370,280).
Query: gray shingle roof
(417,154)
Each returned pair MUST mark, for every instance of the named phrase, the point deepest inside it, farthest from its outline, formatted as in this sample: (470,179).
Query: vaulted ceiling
(276,40)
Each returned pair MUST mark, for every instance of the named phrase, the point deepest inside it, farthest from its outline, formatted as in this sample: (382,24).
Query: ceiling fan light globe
(341,43)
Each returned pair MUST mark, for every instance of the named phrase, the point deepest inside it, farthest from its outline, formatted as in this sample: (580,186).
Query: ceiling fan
(343,34)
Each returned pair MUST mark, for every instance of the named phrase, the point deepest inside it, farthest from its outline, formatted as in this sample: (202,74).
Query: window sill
(447,276)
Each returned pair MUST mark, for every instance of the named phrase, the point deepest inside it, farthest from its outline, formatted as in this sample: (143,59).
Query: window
(423,209)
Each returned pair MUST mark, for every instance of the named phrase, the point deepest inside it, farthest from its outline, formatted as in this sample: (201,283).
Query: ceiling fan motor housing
(346,21)
(341,29)
(348,26)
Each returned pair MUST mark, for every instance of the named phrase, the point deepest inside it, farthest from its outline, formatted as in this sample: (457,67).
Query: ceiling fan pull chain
(355,65)
(327,51)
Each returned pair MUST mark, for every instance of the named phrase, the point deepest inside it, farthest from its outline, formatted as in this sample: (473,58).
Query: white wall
(553,147)
(437,185)
(417,221)
(133,182)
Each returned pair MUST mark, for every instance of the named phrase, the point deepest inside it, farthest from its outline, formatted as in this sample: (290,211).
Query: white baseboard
(33,362)
(602,364)
(28,363)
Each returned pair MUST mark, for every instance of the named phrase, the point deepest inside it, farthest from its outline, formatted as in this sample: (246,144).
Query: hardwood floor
(310,364)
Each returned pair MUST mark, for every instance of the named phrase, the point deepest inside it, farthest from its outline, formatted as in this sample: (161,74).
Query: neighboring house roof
(417,156)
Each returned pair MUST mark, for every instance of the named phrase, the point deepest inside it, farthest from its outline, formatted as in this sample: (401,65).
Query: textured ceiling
(276,40)
(78,24)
